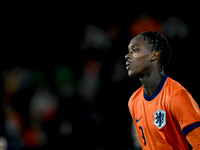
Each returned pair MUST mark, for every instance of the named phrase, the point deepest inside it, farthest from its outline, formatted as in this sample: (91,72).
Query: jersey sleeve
(185,110)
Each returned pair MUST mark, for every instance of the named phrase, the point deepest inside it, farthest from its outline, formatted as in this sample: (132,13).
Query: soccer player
(164,113)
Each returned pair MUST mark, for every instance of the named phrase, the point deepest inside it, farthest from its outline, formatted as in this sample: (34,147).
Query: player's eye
(135,50)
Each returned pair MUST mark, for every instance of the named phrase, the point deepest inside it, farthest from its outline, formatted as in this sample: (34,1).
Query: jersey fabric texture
(163,119)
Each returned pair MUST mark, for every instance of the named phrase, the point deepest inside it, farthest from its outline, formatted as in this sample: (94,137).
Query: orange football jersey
(163,119)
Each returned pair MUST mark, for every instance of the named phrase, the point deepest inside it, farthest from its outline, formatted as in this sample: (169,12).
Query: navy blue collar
(157,91)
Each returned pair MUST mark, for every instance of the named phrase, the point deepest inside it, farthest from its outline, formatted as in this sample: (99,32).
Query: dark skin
(143,62)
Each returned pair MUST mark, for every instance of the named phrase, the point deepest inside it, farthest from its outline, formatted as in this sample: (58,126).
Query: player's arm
(193,138)
(187,113)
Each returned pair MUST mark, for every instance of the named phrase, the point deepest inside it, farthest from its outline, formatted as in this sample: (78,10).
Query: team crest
(159,118)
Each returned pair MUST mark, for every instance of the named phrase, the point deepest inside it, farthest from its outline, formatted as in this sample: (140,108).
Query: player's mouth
(128,65)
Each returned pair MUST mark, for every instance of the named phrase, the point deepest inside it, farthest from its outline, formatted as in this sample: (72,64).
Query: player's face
(139,57)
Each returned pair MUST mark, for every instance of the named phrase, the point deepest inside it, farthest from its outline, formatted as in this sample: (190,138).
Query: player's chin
(132,73)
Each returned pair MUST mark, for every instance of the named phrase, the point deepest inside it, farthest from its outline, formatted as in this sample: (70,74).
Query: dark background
(63,78)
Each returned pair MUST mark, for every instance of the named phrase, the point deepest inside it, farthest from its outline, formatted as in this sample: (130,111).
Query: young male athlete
(165,115)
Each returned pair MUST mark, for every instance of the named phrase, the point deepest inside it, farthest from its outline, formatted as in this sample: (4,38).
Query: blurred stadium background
(63,78)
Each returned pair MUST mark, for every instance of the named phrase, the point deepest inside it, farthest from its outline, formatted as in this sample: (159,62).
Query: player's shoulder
(136,94)
(175,87)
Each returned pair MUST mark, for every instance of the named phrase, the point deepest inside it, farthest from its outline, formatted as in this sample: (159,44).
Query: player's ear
(155,55)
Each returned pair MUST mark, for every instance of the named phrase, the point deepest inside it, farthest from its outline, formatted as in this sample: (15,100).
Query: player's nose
(127,56)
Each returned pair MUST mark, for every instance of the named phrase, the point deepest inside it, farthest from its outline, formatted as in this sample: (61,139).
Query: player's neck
(151,82)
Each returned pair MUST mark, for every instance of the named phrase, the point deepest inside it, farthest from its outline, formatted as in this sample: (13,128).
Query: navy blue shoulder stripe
(157,91)
(190,127)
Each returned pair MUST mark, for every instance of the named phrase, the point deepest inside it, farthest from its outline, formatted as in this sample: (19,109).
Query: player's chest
(151,115)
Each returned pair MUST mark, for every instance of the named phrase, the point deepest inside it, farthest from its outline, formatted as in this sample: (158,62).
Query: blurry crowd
(82,101)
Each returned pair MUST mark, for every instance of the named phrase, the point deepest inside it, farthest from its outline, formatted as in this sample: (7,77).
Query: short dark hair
(161,44)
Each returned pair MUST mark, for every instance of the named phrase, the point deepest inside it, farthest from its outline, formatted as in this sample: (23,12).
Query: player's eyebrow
(131,47)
